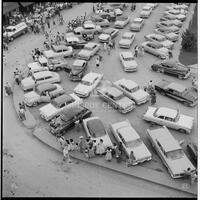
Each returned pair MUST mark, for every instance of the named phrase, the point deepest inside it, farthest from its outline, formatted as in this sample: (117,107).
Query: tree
(189,40)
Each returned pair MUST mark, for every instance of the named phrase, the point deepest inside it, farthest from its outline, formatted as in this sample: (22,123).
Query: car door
(40,80)
(169,122)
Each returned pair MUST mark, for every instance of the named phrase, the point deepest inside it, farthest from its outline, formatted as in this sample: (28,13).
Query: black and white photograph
(99,99)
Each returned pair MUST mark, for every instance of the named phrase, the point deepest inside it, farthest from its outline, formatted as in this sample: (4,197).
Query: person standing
(153,98)
(109,49)
(8,89)
(131,159)
(108,155)
(82,144)
(191,174)
(104,46)
(100,148)
(66,155)
(97,62)
(136,51)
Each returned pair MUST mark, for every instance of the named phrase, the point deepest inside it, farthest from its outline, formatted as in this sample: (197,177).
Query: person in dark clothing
(153,98)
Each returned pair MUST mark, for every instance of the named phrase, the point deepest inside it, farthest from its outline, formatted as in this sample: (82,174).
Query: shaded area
(190,57)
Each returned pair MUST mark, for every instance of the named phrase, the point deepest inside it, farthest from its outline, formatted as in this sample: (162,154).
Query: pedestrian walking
(108,155)
(82,144)
(100,150)
(48,24)
(142,50)
(97,62)
(66,155)
(153,98)
(192,175)
(22,114)
(91,152)
(131,160)
(113,44)
(136,51)
(104,46)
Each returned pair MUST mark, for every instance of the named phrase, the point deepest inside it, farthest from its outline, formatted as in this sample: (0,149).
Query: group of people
(18,76)
(138,51)
(36,53)
(21,112)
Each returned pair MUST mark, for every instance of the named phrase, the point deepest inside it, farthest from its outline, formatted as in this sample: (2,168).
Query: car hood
(31,96)
(124,42)
(48,53)
(125,102)
(179,165)
(28,81)
(186,121)
(145,12)
(84,53)
(130,64)
(119,22)
(139,95)
(104,37)
(75,71)
(48,110)
(82,89)
(167,43)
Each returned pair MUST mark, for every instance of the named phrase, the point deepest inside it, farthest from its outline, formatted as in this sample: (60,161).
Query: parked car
(159,39)
(176,13)
(169,34)
(156,49)
(109,16)
(118,12)
(58,65)
(169,117)
(100,21)
(152,5)
(59,104)
(170,152)
(168,17)
(128,61)
(176,91)
(146,12)
(66,120)
(192,149)
(172,67)
(36,67)
(132,90)
(137,24)
(88,83)
(77,70)
(38,78)
(116,98)
(14,31)
(43,93)
(131,141)
(89,50)
(107,34)
(195,84)
(75,42)
(88,27)
(58,51)
(170,23)
(121,22)
(127,40)
(95,129)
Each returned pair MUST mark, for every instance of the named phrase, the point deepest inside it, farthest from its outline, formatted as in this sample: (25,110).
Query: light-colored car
(39,95)
(169,23)
(128,61)
(88,83)
(121,22)
(95,129)
(159,39)
(170,152)
(58,51)
(89,50)
(14,31)
(152,5)
(131,141)
(38,78)
(58,65)
(137,24)
(132,90)
(169,117)
(116,98)
(146,12)
(59,104)
(118,12)
(127,40)
(88,27)
(100,21)
(156,49)
(171,29)
(107,34)
(170,35)
(168,17)
(36,67)
(176,13)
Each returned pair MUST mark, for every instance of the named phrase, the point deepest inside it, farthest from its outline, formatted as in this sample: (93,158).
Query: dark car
(66,120)
(77,70)
(193,151)
(177,92)
(110,17)
(173,68)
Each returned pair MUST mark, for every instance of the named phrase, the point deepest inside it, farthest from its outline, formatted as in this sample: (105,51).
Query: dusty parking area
(112,70)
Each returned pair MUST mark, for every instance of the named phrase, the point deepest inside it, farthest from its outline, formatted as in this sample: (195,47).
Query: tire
(11,38)
(58,69)
(182,130)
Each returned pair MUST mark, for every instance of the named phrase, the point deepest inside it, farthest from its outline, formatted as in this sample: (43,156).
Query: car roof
(42,74)
(157,36)
(62,99)
(90,44)
(72,38)
(122,18)
(79,62)
(176,86)
(138,19)
(90,77)
(167,112)
(113,91)
(156,44)
(59,47)
(95,125)
(45,86)
(128,133)
(109,30)
(128,83)
(127,54)
(42,59)
(71,112)
(128,34)
(167,141)
(173,62)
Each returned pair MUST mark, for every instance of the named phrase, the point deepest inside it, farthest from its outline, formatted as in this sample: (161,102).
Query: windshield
(88,48)
(134,89)
(86,83)
(126,37)
(9,30)
(118,97)
(176,154)
(129,59)
(77,67)
(134,143)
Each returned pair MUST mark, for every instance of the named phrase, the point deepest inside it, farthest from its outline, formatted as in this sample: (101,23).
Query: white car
(107,34)
(137,24)
(170,152)
(152,5)
(176,13)
(58,51)
(59,104)
(39,95)
(88,83)
(127,40)
(88,27)
(169,117)
(131,141)
(146,12)
(89,50)
(36,67)
(95,129)
(128,61)
(167,33)
(159,39)
(118,12)
(132,90)
(156,49)
(121,22)
(38,78)
(169,23)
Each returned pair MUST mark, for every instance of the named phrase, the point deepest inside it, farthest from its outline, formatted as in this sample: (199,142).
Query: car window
(176,154)
(48,77)
(40,79)
(169,119)
(62,105)
(161,117)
